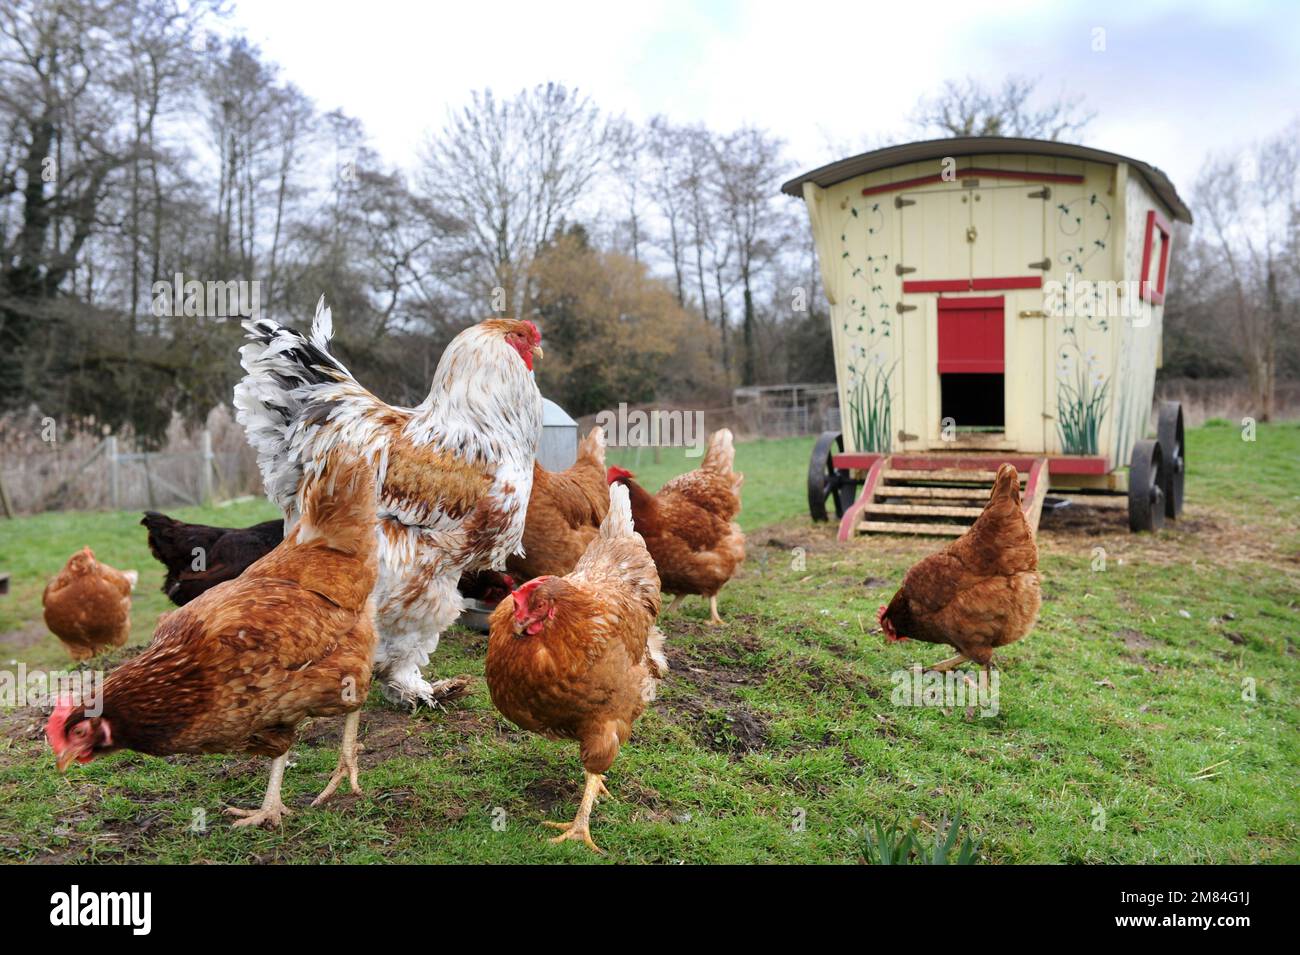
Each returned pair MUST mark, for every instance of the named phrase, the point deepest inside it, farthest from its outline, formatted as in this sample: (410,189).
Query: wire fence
(45,467)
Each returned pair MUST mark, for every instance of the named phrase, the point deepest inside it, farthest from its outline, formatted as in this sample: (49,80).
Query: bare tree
(968,108)
(1251,206)
(750,166)
(512,172)
(666,176)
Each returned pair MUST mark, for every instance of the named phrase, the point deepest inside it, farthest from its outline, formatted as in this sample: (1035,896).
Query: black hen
(198,557)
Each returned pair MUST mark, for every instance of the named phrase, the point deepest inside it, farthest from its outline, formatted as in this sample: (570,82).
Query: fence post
(5,505)
(114,477)
(205,467)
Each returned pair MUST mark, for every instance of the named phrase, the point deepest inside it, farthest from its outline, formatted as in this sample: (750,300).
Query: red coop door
(971,336)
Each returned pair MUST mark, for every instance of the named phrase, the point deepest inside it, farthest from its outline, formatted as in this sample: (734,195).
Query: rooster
(198,557)
(564,512)
(688,525)
(579,657)
(238,668)
(88,605)
(980,592)
(453,474)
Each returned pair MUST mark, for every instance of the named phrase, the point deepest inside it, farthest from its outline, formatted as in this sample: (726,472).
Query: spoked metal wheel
(1146,487)
(827,481)
(1170,434)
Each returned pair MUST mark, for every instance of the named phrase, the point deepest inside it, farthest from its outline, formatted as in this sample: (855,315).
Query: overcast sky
(1174,79)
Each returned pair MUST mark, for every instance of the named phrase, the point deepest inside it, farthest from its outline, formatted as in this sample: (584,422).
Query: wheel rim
(1174,448)
(824,479)
(1147,482)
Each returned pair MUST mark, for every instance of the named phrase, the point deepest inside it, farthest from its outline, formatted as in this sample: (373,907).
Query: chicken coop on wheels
(992,300)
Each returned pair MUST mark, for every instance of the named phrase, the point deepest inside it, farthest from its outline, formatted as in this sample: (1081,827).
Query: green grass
(775,738)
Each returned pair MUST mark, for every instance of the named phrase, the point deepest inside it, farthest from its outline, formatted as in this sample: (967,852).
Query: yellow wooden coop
(992,299)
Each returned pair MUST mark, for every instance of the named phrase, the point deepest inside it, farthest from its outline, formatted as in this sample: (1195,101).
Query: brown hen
(239,667)
(579,657)
(688,526)
(88,605)
(564,512)
(980,592)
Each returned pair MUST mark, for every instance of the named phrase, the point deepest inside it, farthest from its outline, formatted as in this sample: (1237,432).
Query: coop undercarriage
(942,494)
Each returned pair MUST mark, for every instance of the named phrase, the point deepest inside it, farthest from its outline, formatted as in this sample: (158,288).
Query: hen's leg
(347,766)
(675,604)
(580,828)
(714,619)
(273,810)
(944,665)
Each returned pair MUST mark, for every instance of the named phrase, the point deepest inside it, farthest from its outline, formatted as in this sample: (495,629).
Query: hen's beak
(537,352)
(65,758)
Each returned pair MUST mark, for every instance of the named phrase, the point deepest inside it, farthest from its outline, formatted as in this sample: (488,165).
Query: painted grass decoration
(1080,408)
(869,406)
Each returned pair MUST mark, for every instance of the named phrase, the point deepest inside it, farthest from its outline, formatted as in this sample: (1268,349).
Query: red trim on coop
(937,285)
(972,172)
(1156,296)
(972,285)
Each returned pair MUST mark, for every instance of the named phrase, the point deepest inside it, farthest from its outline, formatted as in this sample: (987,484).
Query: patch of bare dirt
(1200,534)
(1135,640)
(704,699)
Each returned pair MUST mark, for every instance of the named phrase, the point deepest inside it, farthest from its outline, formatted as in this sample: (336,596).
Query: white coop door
(974,231)
(934,233)
(1009,230)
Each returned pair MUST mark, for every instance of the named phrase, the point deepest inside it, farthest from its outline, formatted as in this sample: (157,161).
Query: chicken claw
(944,665)
(347,766)
(273,810)
(580,828)
(714,619)
(270,816)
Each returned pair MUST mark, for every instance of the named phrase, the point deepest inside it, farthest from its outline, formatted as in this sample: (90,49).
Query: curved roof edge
(891,156)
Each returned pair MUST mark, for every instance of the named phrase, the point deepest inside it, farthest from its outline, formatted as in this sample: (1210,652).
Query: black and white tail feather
(287,372)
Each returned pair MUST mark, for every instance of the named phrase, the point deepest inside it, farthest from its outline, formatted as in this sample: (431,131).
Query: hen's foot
(270,816)
(273,811)
(444,691)
(714,619)
(945,665)
(572,831)
(432,695)
(580,828)
(347,767)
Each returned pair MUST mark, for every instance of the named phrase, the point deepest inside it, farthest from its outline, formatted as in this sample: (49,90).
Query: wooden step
(934,493)
(945,474)
(907,527)
(925,510)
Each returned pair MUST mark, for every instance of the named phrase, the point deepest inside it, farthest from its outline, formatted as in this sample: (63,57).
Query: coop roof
(891,156)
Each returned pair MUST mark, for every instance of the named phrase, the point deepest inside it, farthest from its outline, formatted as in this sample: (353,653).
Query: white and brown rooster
(453,474)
